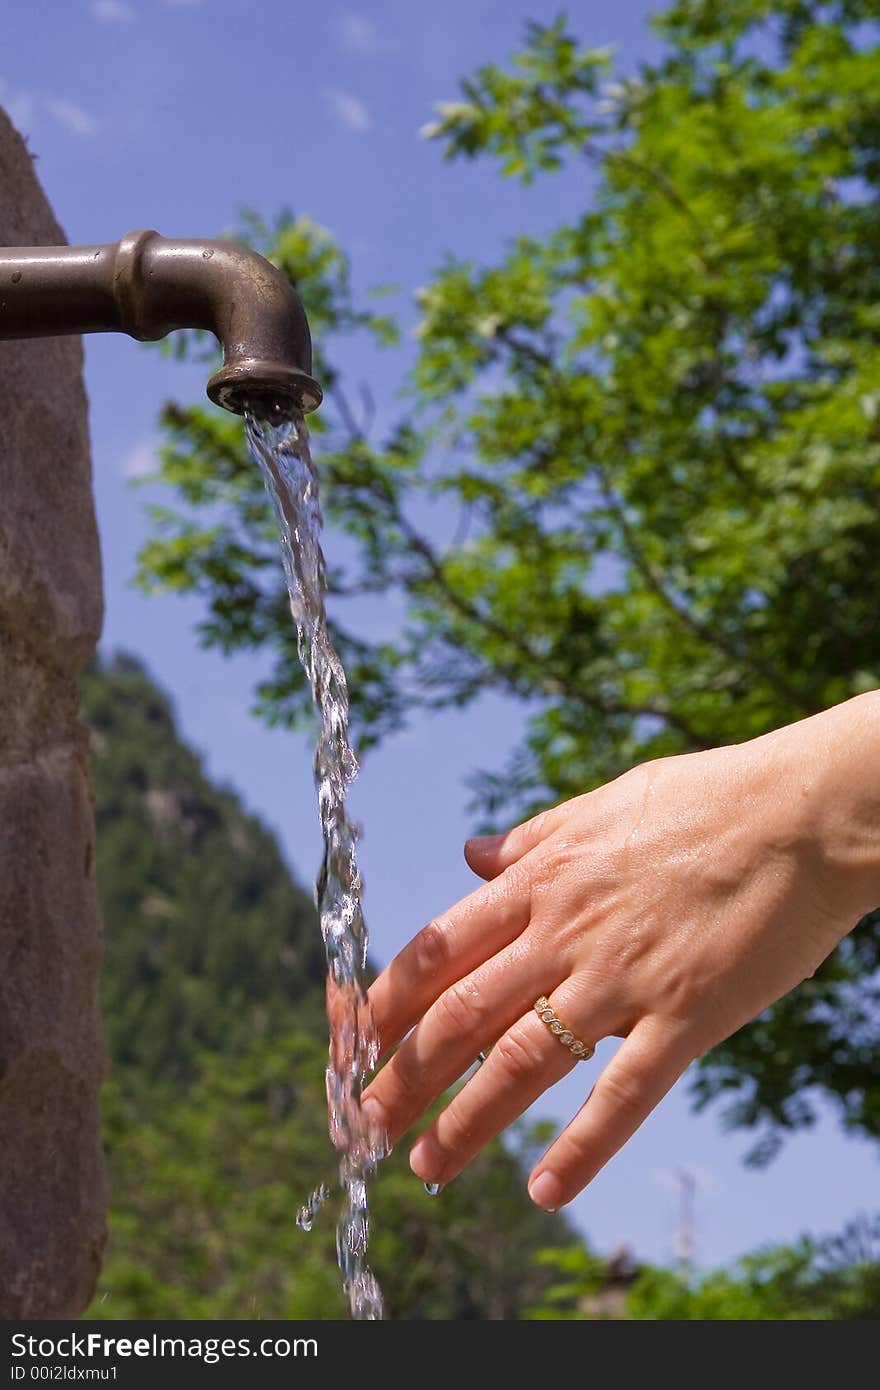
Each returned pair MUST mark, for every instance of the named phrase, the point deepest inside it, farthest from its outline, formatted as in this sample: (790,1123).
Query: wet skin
(666,908)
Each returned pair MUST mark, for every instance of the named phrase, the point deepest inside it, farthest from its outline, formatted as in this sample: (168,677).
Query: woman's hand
(667,908)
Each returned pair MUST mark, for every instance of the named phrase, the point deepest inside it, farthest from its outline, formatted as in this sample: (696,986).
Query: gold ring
(580,1049)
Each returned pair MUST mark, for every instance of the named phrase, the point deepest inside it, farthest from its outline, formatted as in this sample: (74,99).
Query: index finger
(446,949)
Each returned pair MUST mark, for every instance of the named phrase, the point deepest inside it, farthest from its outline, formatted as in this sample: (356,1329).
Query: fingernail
(482,844)
(377,1121)
(546,1191)
(426,1161)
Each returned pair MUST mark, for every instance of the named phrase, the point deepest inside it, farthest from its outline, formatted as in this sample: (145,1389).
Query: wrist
(836,771)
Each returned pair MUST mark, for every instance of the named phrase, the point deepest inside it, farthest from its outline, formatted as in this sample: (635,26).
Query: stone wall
(52,1198)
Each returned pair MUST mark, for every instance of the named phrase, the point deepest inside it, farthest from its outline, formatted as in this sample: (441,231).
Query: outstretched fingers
(468,1017)
(526,1059)
(644,1068)
(446,950)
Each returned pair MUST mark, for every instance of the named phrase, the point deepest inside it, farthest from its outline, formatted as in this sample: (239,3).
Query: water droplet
(432,1189)
(305,1217)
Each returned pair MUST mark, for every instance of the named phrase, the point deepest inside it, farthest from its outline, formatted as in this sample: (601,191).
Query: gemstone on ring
(576,1046)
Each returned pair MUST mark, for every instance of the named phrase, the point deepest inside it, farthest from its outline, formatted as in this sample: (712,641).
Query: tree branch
(552,686)
(709,635)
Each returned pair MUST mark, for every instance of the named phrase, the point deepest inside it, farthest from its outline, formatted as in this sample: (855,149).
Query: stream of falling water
(281,448)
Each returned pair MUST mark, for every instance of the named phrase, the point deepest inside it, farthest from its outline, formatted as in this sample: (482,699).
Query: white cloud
(23,109)
(139,461)
(71,116)
(349,110)
(355,33)
(18,105)
(112,11)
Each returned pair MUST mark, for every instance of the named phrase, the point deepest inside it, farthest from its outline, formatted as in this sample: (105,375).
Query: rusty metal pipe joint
(147,286)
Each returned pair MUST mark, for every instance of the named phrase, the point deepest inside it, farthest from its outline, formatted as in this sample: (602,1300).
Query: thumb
(482,854)
(490,855)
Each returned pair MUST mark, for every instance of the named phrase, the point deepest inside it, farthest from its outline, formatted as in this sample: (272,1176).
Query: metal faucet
(147,285)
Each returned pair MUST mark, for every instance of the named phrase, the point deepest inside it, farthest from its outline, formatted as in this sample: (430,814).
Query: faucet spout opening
(147,285)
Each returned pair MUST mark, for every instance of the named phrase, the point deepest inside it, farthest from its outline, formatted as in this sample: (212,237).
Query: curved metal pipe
(147,285)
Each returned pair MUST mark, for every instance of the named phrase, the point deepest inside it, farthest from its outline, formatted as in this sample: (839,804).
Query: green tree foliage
(636,486)
(215,1108)
(206,1179)
(210,945)
(834,1278)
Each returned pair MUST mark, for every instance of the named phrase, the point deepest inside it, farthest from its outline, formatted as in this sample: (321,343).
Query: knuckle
(457,1133)
(531,832)
(625,1090)
(405,1078)
(515,884)
(460,1007)
(683,994)
(518,1055)
(431,948)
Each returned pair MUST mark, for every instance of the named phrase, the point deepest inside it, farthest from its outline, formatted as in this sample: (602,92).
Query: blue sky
(174,114)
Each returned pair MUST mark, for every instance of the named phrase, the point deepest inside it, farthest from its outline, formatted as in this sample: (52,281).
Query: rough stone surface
(52,1195)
